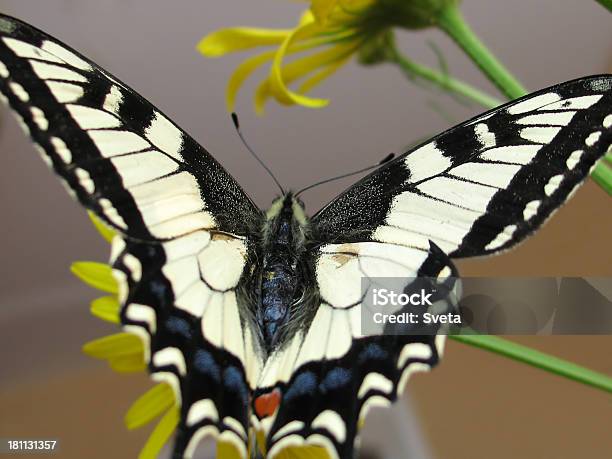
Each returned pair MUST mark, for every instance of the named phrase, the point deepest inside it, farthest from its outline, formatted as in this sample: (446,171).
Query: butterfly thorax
(283,247)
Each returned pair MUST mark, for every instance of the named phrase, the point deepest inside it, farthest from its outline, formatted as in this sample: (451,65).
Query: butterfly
(253,317)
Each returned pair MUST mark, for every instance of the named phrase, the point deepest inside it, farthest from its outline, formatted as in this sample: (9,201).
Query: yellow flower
(125,353)
(328,34)
(326,37)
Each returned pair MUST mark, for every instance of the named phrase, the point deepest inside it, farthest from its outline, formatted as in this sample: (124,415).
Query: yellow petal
(112,346)
(300,67)
(97,275)
(306,18)
(344,12)
(277,86)
(149,405)
(105,231)
(333,57)
(242,72)
(247,67)
(132,363)
(321,9)
(162,432)
(233,39)
(260,442)
(106,308)
(303,452)
(324,73)
(228,450)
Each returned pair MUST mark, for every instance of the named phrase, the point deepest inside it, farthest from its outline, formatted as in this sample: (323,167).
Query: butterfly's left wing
(183,225)
(477,189)
(484,185)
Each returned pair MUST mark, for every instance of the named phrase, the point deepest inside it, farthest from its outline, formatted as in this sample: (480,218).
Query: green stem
(606,4)
(537,359)
(602,174)
(445,82)
(451,21)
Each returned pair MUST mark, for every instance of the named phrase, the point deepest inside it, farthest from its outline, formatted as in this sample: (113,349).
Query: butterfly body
(283,267)
(253,320)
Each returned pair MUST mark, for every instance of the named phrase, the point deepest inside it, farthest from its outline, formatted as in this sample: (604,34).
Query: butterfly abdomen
(281,278)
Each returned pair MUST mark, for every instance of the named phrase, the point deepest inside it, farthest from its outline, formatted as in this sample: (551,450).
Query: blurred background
(475,404)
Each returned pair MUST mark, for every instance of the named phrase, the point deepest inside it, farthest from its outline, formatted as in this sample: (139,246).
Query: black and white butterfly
(253,317)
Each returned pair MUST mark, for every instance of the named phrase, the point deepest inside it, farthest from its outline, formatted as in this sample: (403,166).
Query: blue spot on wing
(234,381)
(179,326)
(304,384)
(205,362)
(335,379)
(371,352)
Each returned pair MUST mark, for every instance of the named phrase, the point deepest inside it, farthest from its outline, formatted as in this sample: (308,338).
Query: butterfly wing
(486,184)
(183,223)
(476,189)
(114,150)
(331,373)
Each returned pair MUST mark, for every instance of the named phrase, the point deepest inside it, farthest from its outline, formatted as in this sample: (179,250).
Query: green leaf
(606,4)
(537,359)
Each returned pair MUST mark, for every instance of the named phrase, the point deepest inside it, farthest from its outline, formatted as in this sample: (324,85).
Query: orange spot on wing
(266,404)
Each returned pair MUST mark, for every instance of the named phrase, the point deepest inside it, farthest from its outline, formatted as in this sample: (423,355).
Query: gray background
(150,46)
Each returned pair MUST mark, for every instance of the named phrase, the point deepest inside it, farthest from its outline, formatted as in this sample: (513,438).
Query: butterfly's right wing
(183,224)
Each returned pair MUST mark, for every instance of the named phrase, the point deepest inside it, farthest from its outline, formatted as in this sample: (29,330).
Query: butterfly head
(287,206)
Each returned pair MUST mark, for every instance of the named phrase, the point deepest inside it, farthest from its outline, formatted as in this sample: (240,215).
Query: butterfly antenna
(237,126)
(386,159)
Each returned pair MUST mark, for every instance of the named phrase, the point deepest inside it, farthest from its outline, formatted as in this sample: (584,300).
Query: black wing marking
(183,225)
(484,185)
(121,156)
(325,403)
